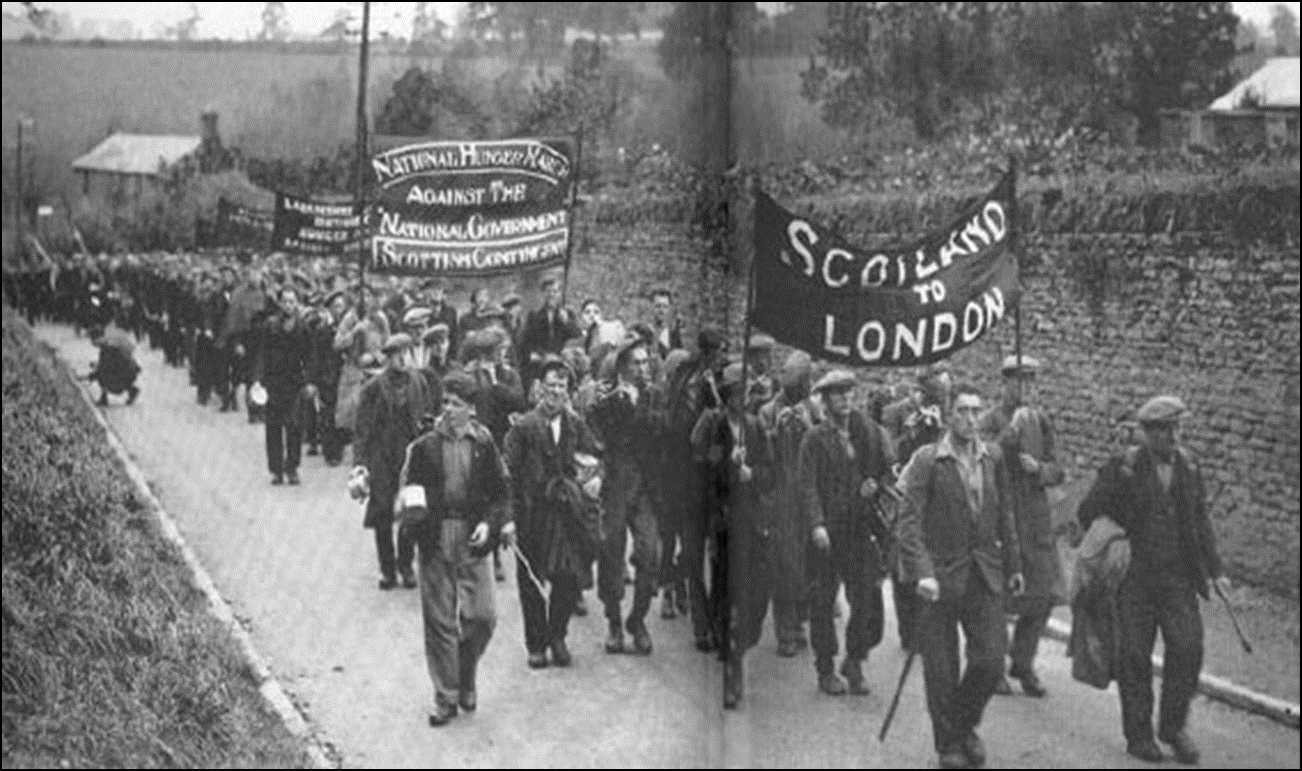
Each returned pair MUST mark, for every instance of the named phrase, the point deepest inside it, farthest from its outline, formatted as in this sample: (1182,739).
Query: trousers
(957,703)
(458,610)
(1145,607)
(284,431)
(406,553)
(845,563)
(628,509)
(545,621)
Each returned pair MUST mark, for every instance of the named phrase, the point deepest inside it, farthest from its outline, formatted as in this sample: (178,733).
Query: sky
(241,20)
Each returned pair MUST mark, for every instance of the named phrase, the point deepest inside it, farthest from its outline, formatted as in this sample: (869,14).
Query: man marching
(551,513)
(1155,493)
(844,461)
(955,517)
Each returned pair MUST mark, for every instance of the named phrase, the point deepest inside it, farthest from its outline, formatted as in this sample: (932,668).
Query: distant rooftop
(1275,85)
(136,153)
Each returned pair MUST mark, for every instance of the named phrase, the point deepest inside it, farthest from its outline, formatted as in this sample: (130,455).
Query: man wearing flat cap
(545,331)
(1025,434)
(281,366)
(1155,493)
(844,463)
(389,415)
(434,295)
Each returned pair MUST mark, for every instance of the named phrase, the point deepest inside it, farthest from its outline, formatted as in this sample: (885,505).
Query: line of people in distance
(728,486)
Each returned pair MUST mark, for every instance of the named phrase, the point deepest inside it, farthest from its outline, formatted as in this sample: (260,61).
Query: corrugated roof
(1274,85)
(136,153)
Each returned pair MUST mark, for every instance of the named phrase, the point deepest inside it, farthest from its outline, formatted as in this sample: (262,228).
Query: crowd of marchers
(727,483)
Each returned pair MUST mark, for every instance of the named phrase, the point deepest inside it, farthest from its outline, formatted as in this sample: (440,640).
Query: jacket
(941,536)
(830,479)
(388,419)
(1128,490)
(1101,564)
(733,503)
(488,491)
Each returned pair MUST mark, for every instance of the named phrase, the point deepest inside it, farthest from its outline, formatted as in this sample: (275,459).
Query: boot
(852,671)
(733,683)
(641,637)
(829,682)
(615,637)
(1184,748)
(668,611)
(132,393)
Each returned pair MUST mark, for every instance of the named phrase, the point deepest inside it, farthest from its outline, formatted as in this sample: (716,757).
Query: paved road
(296,563)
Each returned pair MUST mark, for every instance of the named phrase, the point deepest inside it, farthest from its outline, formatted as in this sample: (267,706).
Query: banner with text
(316,228)
(239,225)
(471,208)
(902,307)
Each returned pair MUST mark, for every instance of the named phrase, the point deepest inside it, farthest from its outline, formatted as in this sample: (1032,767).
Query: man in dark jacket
(731,444)
(545,331)
(844,463)
(551,513)
(389,415)
(958,543)
(281,368)
(1025,434)
(627,417)
(467,500)
(1155,493)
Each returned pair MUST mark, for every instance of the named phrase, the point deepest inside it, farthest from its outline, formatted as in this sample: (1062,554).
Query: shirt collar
(448,432)
(945,447)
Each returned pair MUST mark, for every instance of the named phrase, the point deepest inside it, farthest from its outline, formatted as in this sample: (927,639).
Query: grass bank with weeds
(110,655)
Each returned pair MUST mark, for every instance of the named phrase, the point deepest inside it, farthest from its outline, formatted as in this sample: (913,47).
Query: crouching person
(467,503)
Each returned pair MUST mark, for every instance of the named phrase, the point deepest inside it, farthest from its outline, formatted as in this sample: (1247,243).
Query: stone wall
(1125,299)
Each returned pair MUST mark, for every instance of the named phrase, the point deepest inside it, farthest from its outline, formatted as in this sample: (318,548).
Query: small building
(1261,111)
(124,166)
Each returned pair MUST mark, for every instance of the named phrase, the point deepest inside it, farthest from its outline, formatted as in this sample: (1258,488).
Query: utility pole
(359,185)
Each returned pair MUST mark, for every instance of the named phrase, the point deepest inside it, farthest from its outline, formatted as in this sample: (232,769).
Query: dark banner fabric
(471,208)
(239,225)
(903,307)
(316,228)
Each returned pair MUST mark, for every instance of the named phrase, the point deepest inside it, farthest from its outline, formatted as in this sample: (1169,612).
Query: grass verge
(110,655)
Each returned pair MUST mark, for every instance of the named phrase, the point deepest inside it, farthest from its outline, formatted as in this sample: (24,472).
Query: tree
(922,61)
(1172,55)
(339,29)
(42,18)
(273,22)
(538,27)
(433,104)
(1283,25)
(186,28)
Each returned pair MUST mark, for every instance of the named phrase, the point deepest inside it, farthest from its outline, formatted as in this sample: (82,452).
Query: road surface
(296,564)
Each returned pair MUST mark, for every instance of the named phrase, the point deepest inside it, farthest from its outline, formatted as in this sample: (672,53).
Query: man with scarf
(389,416)
(281,367)
(557,533)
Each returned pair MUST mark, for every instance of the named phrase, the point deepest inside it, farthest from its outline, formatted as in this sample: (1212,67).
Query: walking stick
(1247,647)
(899,690)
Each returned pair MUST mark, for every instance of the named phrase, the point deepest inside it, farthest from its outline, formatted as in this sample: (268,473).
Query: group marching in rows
(723,482)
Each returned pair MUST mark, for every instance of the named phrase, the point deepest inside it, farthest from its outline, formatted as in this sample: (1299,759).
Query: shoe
(667,610)
(733,684)
(852,671)
(1031,685)
(442,714)
(332,462)
(408,578)
(973,749)
(641,637)
(1183,747)
(292,477)
(615,638)
(278,479)
(538,660)
(1145,749)
(132,393)
(314,449)
(680,600)
(1002,688)
(787,649)
(801,642)
(388,582)
(832,684)
(103,400)
(953,759)
(705,642)
(561,654)
(499,575)
(468,701)
(581,607)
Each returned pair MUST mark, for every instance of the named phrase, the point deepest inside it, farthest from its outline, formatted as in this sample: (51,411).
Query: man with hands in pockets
(958,542)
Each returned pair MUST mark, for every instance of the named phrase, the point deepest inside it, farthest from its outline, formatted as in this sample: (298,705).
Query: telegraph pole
(359,185)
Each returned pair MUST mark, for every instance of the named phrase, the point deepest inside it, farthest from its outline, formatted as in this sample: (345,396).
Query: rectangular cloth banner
(316,228)
(239,225)
(901,307)
(471,208)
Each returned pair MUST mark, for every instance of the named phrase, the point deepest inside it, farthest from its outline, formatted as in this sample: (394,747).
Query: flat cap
(398,342)
(761,341)
(415,317)
(796,369)
(1030,364)
(710,338)
(836,380)
(510,301)
(1161,409)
